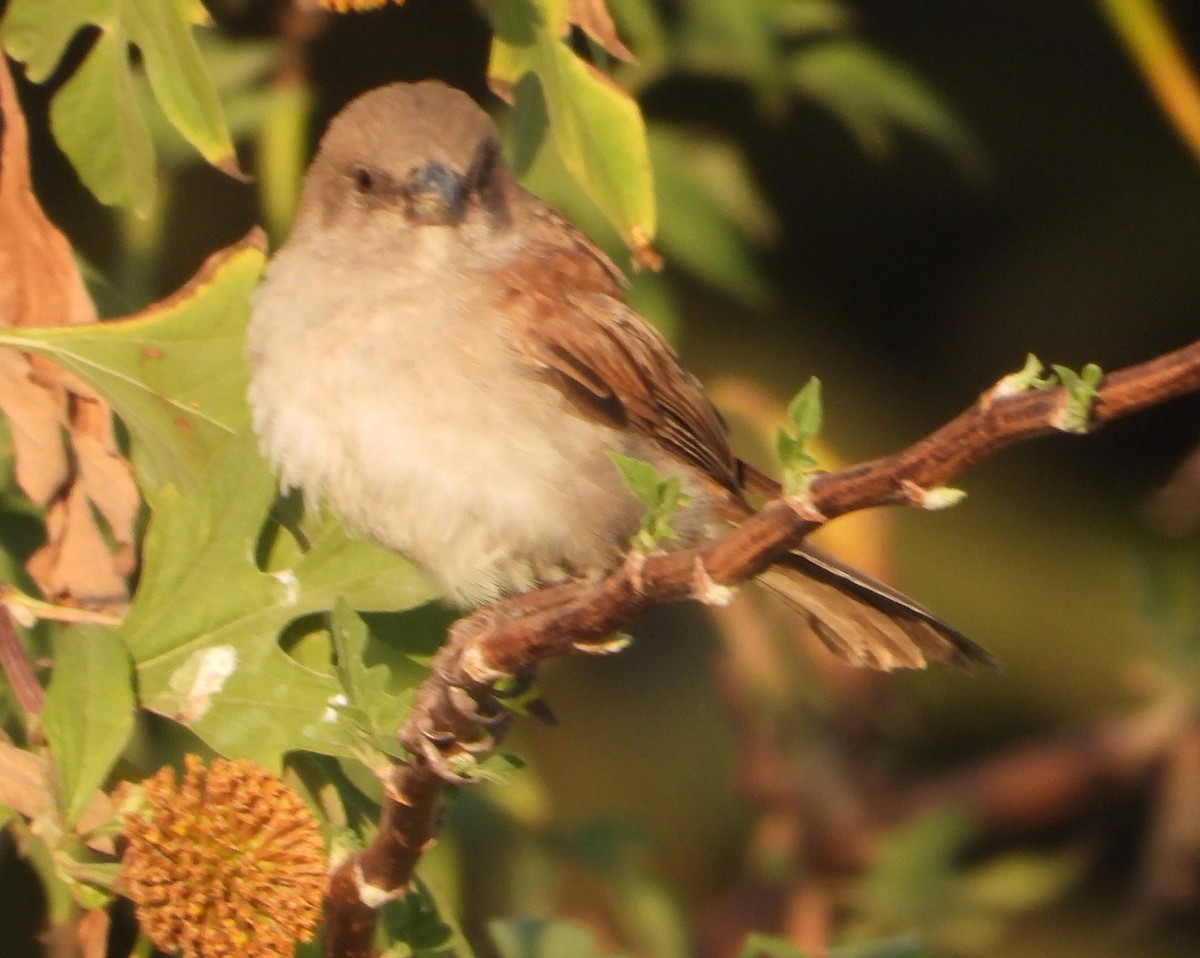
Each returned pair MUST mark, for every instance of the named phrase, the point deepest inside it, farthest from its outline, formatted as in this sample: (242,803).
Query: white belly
(424,436)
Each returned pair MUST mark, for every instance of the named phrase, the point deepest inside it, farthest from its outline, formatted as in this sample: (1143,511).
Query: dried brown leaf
(592,17)
(66,455)
(91,931)
(24,780)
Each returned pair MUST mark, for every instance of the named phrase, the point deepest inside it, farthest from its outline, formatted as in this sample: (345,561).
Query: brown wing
(572,327)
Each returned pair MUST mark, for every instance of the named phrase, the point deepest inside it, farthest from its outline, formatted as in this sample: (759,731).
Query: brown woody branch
(457,716)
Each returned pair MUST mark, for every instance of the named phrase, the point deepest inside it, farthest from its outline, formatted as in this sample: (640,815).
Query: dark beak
(435,196)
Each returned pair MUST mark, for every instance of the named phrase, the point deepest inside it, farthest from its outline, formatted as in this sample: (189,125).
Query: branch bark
(457,716)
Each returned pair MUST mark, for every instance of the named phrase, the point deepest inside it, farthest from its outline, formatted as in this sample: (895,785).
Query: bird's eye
(364,181)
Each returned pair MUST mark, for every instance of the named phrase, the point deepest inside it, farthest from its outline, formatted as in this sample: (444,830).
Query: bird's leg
(458,715)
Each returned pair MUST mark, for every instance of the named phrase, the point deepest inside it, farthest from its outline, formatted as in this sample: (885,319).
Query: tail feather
(866,622)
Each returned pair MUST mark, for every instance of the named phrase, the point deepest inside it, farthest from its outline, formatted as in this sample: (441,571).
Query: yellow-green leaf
(173,373)
(88,713)
(95,116)
(596,126)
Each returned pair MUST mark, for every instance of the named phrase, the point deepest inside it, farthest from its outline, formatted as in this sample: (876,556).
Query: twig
(452,721)
(17,668)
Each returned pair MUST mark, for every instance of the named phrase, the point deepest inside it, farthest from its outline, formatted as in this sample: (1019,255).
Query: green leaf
(596,126)
(542,939)
(94,115)
(1075,415)
(804,417)
(1029,376)
(173,373)
(710,210)
(736,40)
(1019,882)
(758,945)
(912,880)
(205,623)
(663,497)
(370,702)
(871,94)
(887,948)
(88,713)
(415,923)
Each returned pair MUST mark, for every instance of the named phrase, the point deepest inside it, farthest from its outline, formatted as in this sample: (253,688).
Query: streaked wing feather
(574,331)
(613,366)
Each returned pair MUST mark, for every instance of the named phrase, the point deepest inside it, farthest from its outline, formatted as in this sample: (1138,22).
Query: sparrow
(445,361)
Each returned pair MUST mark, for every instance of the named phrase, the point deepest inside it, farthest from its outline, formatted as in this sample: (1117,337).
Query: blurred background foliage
(903,199)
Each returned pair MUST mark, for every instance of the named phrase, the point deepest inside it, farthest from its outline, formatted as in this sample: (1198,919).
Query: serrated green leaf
(96,120)
(597,128)
(205,622)
(88,713)
(173,373)
(94,114)
(872,94)
(367,688)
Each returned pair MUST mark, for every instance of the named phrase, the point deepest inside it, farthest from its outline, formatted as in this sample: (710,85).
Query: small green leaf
(414,923)
(1075,415)
(662,497)
(542,939)
(88,713)
(597,127)
(641,478)
(1030,376)
(804,417)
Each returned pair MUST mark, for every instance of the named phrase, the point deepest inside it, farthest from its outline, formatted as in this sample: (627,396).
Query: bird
(446,362)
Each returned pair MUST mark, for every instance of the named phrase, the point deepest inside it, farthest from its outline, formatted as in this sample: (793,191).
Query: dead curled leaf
(66,455)
(593,18)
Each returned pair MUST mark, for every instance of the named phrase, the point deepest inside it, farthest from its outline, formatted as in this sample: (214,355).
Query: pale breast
(418,428)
